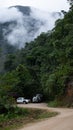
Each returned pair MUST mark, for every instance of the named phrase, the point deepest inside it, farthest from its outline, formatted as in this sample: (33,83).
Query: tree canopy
(44,65)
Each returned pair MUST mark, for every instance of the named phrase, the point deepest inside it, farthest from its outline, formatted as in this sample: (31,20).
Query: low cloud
(24,28)
(10,14)
(46,19)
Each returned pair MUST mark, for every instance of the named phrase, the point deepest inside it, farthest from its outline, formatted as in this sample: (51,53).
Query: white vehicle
(22,100)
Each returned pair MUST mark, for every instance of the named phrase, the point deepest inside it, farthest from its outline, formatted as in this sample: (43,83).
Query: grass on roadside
(21,116)
(57,104)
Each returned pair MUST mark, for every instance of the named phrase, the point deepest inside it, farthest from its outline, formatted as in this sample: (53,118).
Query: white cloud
(17,34)
(11,14)
(25,29)
(47,5)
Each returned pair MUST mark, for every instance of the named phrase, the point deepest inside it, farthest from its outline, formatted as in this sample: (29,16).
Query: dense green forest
(43,66)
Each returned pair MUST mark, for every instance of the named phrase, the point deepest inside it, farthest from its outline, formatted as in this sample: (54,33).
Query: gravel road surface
(64,121)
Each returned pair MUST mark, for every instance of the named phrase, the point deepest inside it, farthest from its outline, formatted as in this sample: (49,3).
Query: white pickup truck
(22,100)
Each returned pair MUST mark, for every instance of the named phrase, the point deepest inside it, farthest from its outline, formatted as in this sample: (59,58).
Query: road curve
(64,121)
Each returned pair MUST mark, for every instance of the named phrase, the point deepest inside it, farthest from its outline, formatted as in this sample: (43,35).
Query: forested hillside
(43,66)
(5,48)
(22,22)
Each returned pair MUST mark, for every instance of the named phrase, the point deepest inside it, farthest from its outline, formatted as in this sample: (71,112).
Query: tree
(7,82)
(9,64)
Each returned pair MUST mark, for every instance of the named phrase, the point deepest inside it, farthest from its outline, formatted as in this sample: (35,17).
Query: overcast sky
(47,5)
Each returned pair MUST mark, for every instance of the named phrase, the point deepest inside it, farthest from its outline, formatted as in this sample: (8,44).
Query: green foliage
(17,117)
(55,103)
(9,64)
(43,66)
(24,80)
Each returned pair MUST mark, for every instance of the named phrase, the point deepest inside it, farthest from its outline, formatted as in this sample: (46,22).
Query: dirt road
(64,121)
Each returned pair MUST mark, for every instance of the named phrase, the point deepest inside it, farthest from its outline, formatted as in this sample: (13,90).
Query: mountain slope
(43,66)
(46,64)
(19,25)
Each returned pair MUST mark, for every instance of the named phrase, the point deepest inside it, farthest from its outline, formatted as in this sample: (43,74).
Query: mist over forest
(25,23)
(36,55)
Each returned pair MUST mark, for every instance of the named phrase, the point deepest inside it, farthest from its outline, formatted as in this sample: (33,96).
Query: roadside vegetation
(43,66)
(17,117)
